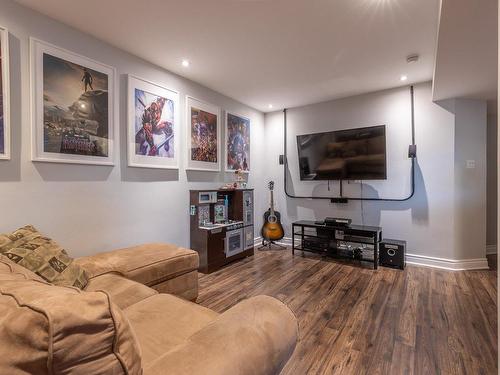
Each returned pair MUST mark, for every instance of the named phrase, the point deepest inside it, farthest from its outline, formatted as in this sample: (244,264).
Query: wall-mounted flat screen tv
(352,154)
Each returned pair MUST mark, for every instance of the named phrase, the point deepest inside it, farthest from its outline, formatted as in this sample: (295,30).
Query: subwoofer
(392,253)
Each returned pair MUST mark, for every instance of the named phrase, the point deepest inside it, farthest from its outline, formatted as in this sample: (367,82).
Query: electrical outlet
(470,164)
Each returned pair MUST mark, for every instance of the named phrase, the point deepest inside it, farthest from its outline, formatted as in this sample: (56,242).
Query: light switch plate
(470,164)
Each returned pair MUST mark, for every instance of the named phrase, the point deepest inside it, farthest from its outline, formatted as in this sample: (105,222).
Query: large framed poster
(203,135)
(72,107)
(4,95)
(153,125)
(237,143)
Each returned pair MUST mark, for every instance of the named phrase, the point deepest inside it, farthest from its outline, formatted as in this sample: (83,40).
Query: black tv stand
(346,242)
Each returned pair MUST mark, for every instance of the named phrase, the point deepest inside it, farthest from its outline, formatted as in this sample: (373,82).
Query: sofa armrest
(257,337)
(148,264)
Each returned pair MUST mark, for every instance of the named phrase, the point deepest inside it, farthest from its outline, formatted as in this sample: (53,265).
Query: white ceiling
(466,58)
(284,52)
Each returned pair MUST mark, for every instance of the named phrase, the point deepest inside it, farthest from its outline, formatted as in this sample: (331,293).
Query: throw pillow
(43,256)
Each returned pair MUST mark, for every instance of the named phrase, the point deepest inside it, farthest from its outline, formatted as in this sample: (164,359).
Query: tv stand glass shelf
(357,242)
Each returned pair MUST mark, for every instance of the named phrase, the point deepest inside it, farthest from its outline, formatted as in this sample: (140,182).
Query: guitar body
(272,230)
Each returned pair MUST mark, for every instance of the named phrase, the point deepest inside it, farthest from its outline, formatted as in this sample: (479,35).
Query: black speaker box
(392,253)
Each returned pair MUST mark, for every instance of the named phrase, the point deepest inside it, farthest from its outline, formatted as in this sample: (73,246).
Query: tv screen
(353,154)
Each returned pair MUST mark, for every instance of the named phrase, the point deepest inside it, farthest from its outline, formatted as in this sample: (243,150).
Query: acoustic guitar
(272,230)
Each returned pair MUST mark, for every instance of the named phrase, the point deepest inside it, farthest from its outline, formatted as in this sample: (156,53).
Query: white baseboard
(491,249)
(447,264)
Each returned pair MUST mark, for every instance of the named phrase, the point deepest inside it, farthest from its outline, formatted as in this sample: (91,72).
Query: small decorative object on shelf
(240,182)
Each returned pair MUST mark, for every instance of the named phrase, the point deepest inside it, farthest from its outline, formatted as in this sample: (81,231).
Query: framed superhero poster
(72,107)
(237,143)
(4,95)
(203,135)
(153,125)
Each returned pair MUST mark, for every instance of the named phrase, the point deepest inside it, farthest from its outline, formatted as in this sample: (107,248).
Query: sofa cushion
(30,249)
(163,321)
(184,286)
(13,271)
(148,264)
(123,292)
(46,329)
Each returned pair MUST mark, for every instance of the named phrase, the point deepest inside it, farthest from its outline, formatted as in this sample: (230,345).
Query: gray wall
(470,183)
(94,208)
(491,186)
(427,221)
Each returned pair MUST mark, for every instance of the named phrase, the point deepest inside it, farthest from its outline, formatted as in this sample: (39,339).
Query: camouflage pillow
(41,255)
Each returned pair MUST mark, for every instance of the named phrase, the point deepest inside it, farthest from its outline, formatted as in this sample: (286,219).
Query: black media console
(348,242)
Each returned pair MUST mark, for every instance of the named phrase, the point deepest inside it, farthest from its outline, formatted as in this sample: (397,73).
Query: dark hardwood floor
(354,320)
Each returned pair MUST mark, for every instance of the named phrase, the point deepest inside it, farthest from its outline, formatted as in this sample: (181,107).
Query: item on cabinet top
(239,182)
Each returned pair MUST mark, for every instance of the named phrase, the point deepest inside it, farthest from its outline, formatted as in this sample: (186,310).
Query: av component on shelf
(392,253)
(337,221)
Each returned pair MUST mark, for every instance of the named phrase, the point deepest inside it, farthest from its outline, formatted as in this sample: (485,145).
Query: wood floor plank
(354,320)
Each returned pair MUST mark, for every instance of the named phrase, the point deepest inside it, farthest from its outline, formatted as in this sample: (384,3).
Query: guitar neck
(272,202)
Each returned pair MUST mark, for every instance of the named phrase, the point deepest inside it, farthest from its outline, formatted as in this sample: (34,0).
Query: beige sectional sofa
(124,322)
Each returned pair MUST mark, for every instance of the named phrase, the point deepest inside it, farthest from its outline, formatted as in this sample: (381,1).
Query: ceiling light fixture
(185,63)
(404,78)
(270,106)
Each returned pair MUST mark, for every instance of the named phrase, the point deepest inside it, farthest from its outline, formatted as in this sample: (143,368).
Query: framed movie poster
(4,95)
(72,107)
(203,135)
(237,143)
(153,125)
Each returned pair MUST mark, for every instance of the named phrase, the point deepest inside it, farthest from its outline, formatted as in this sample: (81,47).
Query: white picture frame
(147,91)
(5,151)
(231,168)
(38,49)
(193,104)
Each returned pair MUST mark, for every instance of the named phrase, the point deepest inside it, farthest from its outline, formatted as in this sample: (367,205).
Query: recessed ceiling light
(185,63)
(404,77)
(270,106)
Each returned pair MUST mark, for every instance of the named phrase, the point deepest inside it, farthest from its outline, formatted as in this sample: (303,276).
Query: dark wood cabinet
(222,226)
